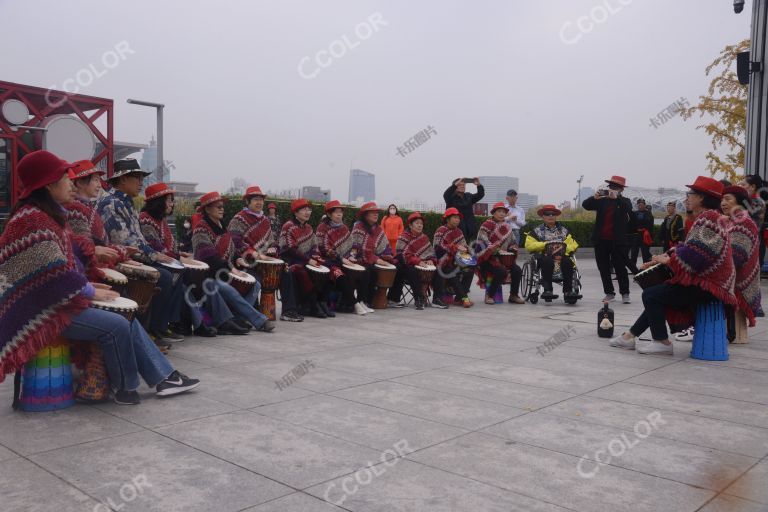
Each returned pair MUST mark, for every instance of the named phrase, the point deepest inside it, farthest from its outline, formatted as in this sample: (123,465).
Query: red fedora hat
(370,206)
(617,180)
(210,198)
(253,191)
(548,208)
(498,205)
(415,216)
(38,169)
(332,205)
(707,186)
(157,190)
(83,169)
(298,204)
(452,211)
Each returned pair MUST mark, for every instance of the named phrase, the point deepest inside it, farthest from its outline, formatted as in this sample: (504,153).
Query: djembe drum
(556,251)
(426,274)
(195,272)
(269,272)
(93,385)
(507,260)
(385,278)
(243,284)
(46,380)
(653,275)
(175,267)
(115,279)
(353,270)
(142,281)
(319,275)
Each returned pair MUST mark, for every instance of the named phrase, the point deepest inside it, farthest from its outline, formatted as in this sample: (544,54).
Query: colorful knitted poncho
(370,243)
(446,242)
(158,234)
(40,286)
(85,222)
(412,249)
(745,243)
(334,242)
(252,232)
(211,243)
(493,237)
(705,259)
(297,243)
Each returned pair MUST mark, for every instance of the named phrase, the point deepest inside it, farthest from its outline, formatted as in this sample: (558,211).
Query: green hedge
(582,231)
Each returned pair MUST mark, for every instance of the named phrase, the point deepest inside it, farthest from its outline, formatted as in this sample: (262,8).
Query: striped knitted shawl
(85,222)
(40,286)
(446,242)
(158,234)
(492,237)
(251,232)
(705,259)
(412,248)
(745,243)
(207,244)
(370,245)
(297,242)
(334,242)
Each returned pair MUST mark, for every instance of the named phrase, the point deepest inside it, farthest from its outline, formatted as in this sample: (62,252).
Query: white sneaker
(625,298)
(684,335)
(367,309)
(655,347)
(620,342)
(360,309)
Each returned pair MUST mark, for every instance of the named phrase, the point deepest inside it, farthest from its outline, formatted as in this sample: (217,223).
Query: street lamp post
(578,192)
(159,107)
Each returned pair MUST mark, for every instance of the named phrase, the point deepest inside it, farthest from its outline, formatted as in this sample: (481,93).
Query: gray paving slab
(603,355)
(369,426)
(554,477)
(476,350)
(164,475)
(296,456)
(725,503)
(6,454)
(298,501)
(431,405)
(639,450)
(753,485)
(24,486)
(33,432)
(405,486)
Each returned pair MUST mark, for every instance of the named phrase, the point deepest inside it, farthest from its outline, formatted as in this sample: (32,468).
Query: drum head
(388,266)
(194,264)
(428,268)
(507,253)
(247,278)
(119,304)
(114,276)
(270,262)
(319,269)
(173,265)
(354,267)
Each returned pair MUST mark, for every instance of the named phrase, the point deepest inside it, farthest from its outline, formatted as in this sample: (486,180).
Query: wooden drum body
(142,280)
(243,284)
(269,272)
(195,272)
(652,276)
(426,274)
(385,278)
(115,279)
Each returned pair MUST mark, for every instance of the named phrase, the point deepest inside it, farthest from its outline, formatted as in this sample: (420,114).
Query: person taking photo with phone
(456,196)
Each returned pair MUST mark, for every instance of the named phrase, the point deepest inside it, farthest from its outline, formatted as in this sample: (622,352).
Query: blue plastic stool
(710,341)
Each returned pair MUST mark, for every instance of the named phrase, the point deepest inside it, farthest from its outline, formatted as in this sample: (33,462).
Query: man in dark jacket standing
(643,222)
(614,222)
(673,228)
(457,197)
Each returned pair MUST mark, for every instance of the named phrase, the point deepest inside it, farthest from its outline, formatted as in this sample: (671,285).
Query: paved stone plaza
(450,411)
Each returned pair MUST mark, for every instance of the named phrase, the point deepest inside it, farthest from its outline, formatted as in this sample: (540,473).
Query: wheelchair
(530,282)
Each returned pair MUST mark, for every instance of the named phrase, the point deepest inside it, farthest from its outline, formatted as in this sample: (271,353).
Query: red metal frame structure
(42,103)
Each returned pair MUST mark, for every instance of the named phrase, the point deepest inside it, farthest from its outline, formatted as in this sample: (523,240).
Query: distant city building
(362,186)
(185,189)
(149,163)
(584,192)
(527,201)
(496,187)
(315,193)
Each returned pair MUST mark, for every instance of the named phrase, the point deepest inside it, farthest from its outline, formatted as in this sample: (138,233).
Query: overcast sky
(510,87)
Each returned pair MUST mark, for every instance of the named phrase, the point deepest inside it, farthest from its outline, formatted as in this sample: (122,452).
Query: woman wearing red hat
(497,235)
(298,247)
(334,241)
(449,241)
(393,226)
(414,248)
(37,249)
(212,243)
(536,242)
(745,241)
(369,243)
(702,271)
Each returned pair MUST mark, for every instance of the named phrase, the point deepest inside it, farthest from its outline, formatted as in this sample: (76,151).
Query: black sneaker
(167,337)
(176,383)
(419,304)
(267,327)
(205,331)
(182,329)
(242,323)
(230,327)
(290,316)
(325,309)
(439,304)
(124,397)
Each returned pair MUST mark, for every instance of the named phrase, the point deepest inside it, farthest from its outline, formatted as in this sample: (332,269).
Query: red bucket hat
(157,190)
(298,204)
(38,169)
(415,216)
(332,205)
(271,205)
(452,211)
(618,180)
(497,206)
(707,186)
(209,198)
(740,193)
(83,169)
(370,206)
(253,191)
(548,208)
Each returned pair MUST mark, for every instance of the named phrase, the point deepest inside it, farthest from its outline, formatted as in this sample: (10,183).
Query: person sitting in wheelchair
(551,243)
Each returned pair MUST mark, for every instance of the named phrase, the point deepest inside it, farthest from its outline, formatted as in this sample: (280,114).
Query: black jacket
(623,219)
(644,220)
(672,230)
(464,203)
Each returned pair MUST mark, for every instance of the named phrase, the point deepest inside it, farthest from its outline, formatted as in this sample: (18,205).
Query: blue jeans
(128,350)
(240,306)
(166,305)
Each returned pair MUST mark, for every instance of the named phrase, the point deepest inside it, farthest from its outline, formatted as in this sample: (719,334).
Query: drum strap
(16,391)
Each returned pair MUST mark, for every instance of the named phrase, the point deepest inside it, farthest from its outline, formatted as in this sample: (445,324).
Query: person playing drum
(334,242)
(537,242)
(370,245)
(298,248)
(496,235)
(702,270)
(62,294)
(255,241)
(745,240)
(414,249)
(449,243)
(121,221)
(159,202)
(212,244)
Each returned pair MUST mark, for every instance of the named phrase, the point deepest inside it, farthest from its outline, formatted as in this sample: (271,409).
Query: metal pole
(756,153)
(160,161)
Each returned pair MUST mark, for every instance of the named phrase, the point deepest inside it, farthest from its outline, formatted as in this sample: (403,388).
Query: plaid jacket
(121,221)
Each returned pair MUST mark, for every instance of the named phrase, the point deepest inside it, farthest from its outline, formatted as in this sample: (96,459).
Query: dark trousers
(288,292)
(657,299)
(639,246)
(608,254)
(547,266)
(405,274)
(352,282)
(166,305)
(497,273)
(459,280)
